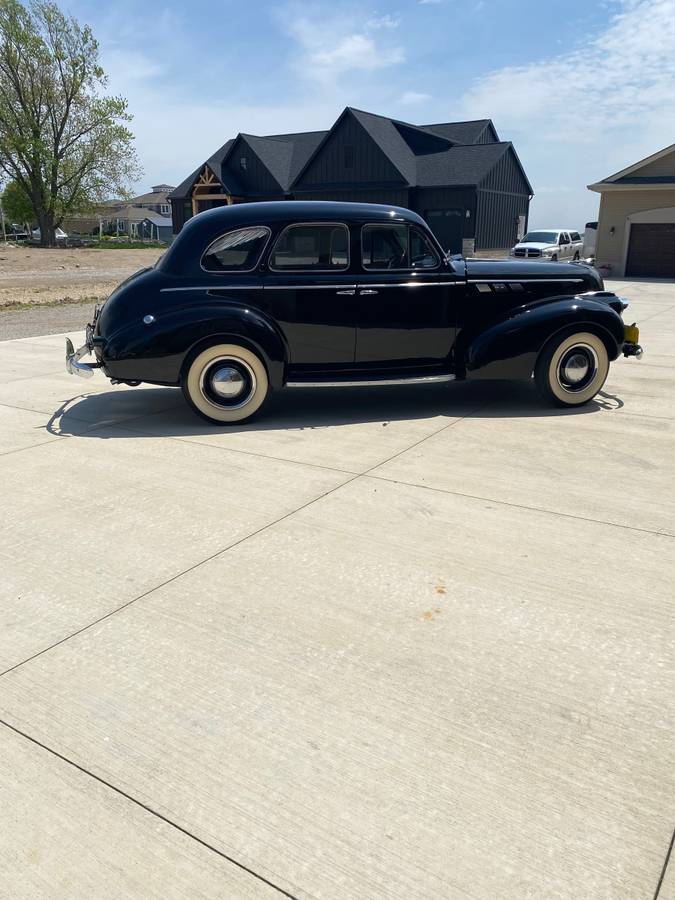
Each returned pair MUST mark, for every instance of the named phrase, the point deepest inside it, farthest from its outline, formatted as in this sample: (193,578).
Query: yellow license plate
(631,334)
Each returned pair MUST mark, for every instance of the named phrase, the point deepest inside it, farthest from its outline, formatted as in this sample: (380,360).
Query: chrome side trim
(309,287)
(524,280)
(418,379)
(414,284)
(212,287)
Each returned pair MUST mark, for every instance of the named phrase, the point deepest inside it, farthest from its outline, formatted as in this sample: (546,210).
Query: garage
(651,250)
(636,222)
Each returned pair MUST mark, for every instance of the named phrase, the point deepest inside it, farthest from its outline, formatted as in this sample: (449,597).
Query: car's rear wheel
(571,370)
(225,383)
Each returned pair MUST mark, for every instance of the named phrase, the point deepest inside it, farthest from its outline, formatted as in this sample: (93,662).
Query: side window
(236,251)
(320,247)
(396,247)
(576,236)
(422,253)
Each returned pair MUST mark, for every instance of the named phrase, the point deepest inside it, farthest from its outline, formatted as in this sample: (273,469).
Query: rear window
(315,247)
(236,251)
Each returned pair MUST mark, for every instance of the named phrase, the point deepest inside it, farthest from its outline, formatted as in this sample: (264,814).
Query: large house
(468,185)
(636,224)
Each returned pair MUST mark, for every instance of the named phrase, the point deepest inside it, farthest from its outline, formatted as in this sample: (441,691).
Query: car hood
(532,245)
(580,276)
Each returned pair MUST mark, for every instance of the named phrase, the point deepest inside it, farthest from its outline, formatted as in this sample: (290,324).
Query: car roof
(206,226)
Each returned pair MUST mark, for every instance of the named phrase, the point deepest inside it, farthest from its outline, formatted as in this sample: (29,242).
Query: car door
(407,299)
(311,293)
(564,245)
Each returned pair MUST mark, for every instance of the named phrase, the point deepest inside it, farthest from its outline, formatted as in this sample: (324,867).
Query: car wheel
(570,371)
(225,383)
(576,257)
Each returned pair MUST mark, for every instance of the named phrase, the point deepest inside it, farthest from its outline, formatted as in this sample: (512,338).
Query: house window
(312,247)
(165,209)
(236,251)
(243,162)
(349,156)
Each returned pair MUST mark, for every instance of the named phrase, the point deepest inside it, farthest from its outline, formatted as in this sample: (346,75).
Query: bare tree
(62,140)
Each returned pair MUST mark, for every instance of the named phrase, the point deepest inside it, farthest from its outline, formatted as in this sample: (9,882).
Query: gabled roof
(423,155)
(629,177)
(460,165)
(460,132)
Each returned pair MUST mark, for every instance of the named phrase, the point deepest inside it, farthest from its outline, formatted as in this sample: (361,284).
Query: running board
(373,382)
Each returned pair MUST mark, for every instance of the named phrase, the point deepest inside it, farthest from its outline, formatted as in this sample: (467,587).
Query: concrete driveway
(380,644)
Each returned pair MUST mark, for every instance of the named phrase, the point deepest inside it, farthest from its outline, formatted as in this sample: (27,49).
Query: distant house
(123,217)
(636,224)
(469,186)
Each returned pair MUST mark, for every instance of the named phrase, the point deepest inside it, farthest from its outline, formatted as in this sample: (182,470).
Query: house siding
(328,168)
(255,178)
(497,215)
(385,195)
(663,166)
(615,207)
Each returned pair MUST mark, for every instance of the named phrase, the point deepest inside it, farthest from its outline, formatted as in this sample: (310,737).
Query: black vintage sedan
(261,296)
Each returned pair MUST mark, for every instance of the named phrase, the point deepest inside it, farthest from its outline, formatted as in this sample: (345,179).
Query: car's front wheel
(225,383)
(570,371)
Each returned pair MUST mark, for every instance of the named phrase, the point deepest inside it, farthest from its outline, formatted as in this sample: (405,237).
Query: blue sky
(582,87)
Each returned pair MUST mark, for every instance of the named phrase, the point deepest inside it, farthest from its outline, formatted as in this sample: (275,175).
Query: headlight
(547,252)
(512,252)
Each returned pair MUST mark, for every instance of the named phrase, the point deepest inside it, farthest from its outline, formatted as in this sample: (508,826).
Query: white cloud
(326,50)
(411,97)
(583,114)
(386,21)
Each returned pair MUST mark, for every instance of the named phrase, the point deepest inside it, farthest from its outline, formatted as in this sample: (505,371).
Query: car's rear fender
(509,347)
(157,352)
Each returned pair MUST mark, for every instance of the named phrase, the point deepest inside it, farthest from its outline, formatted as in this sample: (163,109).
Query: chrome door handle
(368,292)
(346,293)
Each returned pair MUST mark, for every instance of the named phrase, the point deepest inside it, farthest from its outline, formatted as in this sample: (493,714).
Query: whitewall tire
(225,383)
(571,371)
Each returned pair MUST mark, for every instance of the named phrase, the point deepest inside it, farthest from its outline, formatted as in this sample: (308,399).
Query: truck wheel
(554,258)
(225,383)
(576,256)
(570,371)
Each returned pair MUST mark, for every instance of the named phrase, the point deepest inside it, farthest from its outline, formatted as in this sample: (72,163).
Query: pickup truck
(551,244)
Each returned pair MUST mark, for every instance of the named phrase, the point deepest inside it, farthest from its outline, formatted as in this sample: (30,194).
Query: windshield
(541,237)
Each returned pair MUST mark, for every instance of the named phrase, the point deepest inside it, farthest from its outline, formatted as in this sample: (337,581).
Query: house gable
(507,175)
(348,155)
(662,167)
(244,166)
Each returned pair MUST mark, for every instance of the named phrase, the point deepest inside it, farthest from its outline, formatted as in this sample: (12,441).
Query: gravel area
(31,275)
(38,320)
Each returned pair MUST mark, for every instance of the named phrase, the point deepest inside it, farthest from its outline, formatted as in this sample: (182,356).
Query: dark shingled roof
(460,132)
(459,165)
(444,154)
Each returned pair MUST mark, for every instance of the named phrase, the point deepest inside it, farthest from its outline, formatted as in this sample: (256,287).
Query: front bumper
(631,347)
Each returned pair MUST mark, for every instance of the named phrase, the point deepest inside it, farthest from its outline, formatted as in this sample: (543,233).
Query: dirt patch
(33,276)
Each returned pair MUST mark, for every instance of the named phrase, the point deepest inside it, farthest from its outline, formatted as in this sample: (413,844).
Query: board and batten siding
(255,178)
(615,208)
(387,196)
(328,167)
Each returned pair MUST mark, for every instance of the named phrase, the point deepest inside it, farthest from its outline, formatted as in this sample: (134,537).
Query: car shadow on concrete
(162,412)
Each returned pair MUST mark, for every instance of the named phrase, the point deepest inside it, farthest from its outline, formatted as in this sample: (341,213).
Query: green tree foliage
(62,140)
(16,204)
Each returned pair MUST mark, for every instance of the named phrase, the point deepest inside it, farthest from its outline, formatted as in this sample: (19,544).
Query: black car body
(317,293)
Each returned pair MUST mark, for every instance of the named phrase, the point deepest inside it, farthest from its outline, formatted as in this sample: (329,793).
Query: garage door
(651,252)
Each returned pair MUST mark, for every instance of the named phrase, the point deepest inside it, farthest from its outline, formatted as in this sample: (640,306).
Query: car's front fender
(508,347)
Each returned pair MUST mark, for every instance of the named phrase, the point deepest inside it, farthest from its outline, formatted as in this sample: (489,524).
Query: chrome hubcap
(228,382)
(577,368)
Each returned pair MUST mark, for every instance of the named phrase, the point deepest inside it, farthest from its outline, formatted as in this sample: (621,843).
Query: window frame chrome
(277,271)
(236,271)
